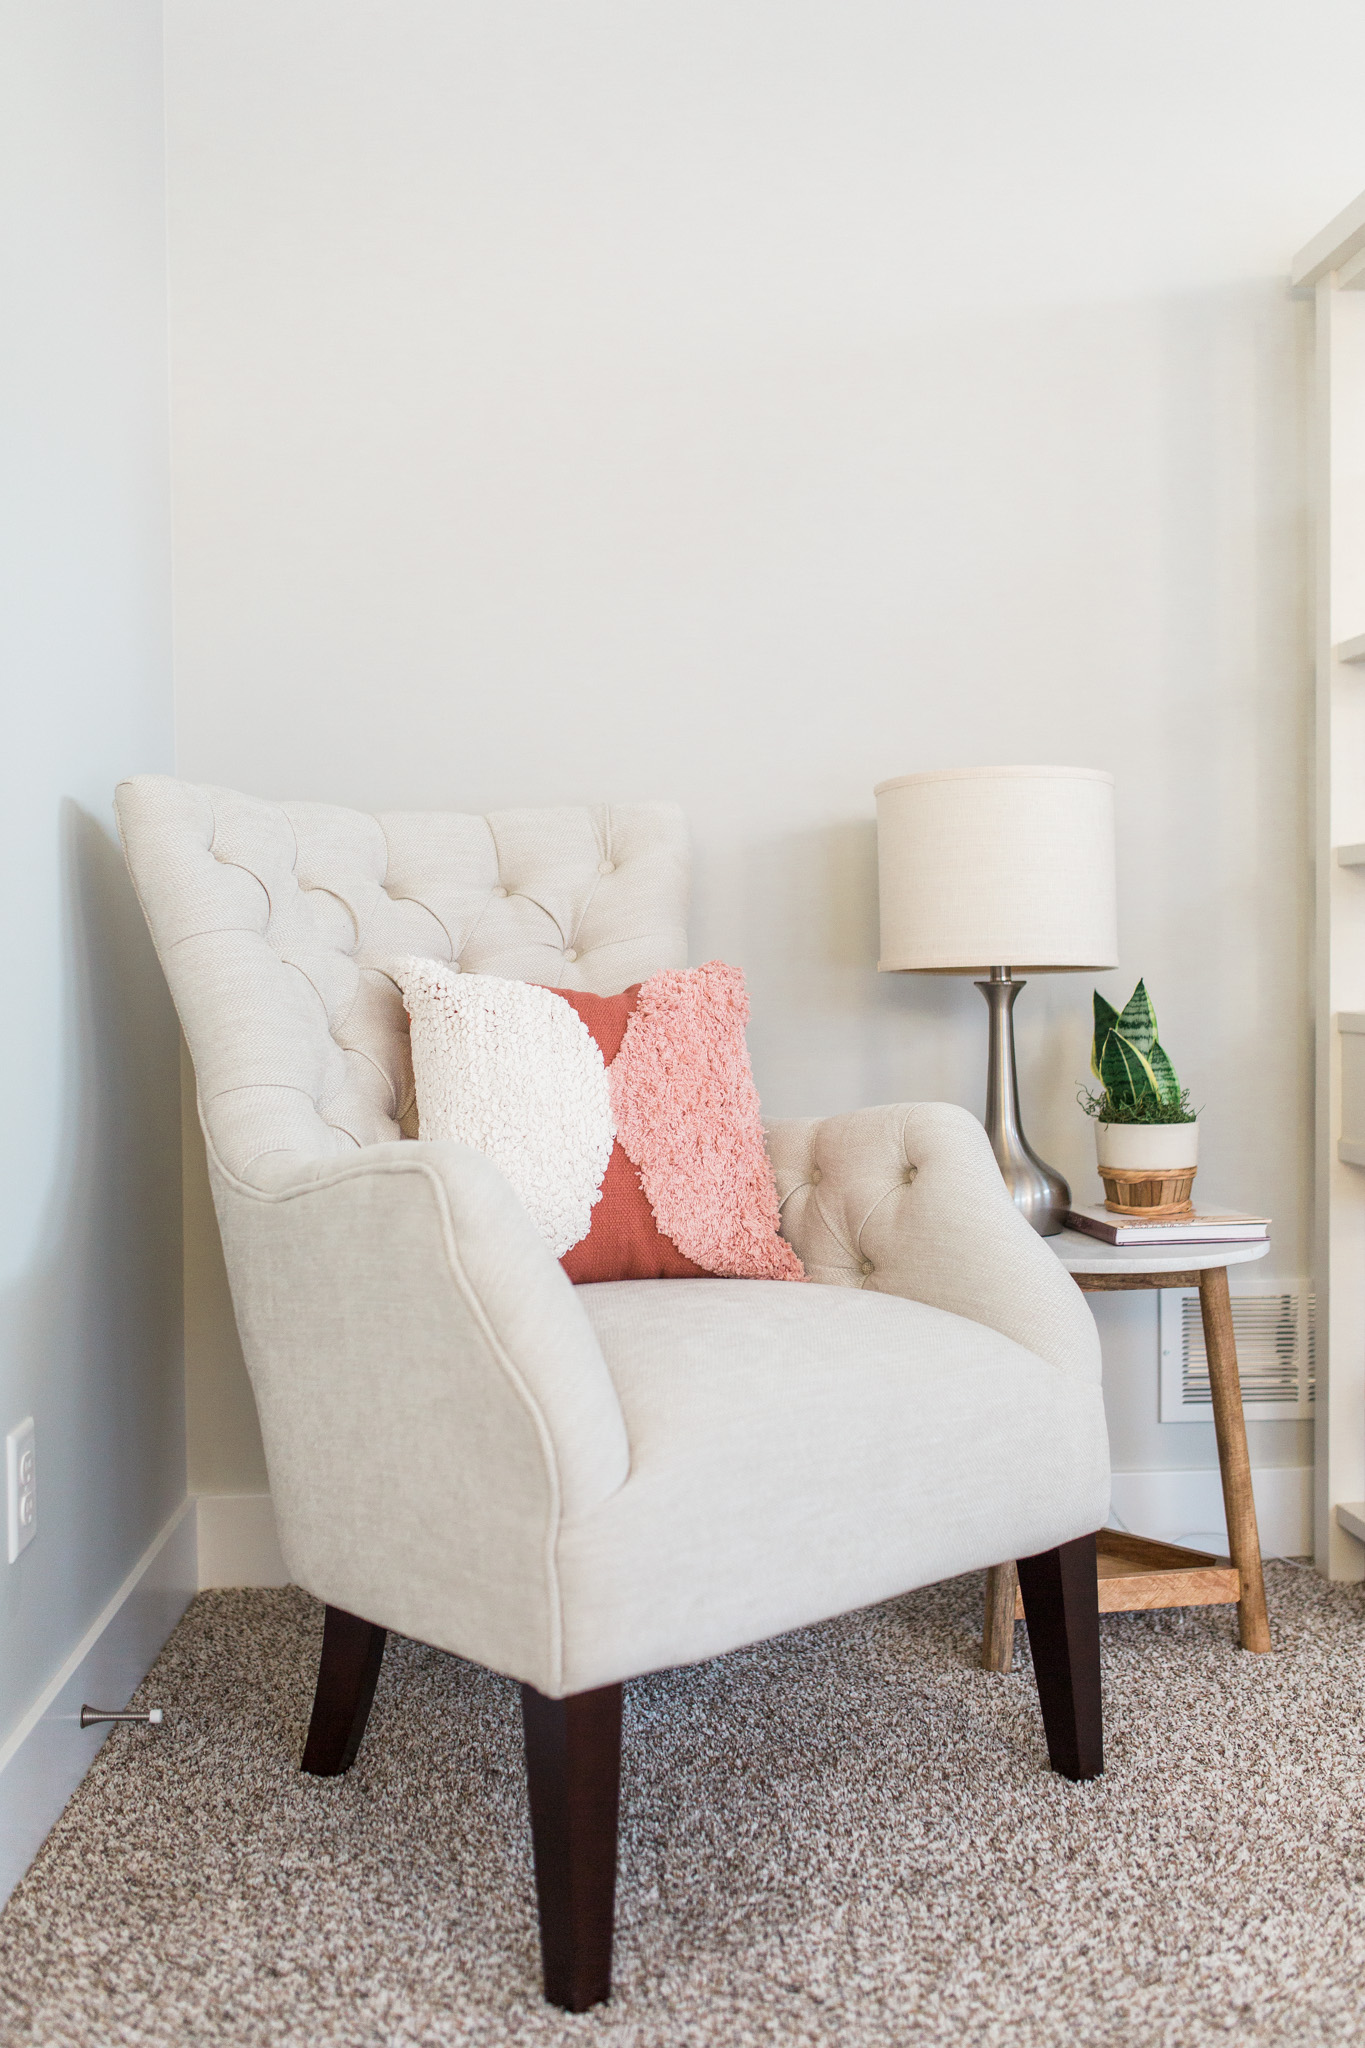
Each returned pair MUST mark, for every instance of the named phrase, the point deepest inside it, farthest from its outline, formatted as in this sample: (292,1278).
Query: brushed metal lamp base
(1038,1191)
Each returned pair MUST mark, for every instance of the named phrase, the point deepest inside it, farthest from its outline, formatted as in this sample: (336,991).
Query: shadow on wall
(92,1331)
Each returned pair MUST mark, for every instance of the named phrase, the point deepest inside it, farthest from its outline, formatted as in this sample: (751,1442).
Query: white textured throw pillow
(507,1068)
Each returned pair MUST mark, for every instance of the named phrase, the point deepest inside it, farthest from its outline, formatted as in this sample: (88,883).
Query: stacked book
(1204,1227)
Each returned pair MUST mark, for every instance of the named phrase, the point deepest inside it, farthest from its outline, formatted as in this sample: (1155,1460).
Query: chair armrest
(908,1200)
(432,1398)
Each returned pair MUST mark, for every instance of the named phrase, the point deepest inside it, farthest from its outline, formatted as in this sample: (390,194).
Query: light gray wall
(742,403)
(90,1308)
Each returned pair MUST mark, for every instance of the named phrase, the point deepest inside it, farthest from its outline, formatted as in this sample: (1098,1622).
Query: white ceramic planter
(1147,1148)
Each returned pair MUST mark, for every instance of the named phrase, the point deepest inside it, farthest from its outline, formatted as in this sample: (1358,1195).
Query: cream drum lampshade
(997,867)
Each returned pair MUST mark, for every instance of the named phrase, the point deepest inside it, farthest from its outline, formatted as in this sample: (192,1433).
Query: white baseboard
(45,1757)
(1187,1507)
(238,1545)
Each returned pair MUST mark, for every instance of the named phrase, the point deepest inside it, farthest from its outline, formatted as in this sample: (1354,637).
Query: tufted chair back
(274,921)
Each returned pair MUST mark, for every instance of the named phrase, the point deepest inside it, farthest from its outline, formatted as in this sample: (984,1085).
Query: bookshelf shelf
(1352,650)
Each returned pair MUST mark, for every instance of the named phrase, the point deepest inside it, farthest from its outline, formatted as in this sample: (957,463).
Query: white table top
(1082,1254)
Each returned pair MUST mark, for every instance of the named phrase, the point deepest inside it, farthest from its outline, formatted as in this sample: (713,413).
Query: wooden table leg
(997,1637)
(1244,1541)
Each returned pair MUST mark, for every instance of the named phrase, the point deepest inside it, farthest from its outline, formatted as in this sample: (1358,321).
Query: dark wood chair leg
(352,1652)
(573,1775)
(1062,1609)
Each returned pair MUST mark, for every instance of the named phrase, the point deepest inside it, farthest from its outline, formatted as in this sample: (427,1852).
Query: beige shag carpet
(849,1835)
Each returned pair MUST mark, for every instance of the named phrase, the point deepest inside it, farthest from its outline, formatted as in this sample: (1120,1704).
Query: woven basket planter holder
(1154,1197)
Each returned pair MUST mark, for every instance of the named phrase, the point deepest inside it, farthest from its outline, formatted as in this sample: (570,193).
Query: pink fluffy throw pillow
(687,1116)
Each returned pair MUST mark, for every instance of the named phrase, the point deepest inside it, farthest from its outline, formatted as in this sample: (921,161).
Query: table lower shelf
(1136,1573)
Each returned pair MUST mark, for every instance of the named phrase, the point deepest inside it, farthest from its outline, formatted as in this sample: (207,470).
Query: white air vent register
(1273,1326)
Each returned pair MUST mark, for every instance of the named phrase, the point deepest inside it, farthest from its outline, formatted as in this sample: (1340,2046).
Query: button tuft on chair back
(273,923)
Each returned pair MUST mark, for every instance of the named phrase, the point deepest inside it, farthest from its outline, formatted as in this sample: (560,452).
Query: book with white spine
(1204,1227)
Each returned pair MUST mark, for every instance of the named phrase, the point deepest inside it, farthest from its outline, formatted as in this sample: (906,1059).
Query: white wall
(90,1310)
(741,403)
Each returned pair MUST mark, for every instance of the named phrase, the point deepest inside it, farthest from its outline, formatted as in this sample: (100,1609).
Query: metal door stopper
(90,1715)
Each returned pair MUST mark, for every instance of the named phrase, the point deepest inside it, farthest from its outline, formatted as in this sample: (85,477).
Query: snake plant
(1140,1086)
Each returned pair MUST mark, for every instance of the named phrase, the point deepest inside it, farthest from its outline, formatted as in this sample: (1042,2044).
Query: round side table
(1135,1571)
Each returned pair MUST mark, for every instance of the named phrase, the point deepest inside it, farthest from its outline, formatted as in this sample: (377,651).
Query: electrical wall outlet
(21,1487)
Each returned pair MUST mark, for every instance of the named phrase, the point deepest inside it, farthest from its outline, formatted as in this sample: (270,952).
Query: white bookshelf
(1331,271)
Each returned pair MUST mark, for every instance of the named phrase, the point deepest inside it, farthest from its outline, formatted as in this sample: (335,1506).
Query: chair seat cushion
(799,1451)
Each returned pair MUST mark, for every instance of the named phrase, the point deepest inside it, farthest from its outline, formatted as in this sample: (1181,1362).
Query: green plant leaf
(1138,1021)
(1125,1070)
(1106,1017)
(1168,1085)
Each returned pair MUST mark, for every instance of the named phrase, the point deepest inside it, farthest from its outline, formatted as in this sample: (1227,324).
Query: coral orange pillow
(629,1125)
(624,1241)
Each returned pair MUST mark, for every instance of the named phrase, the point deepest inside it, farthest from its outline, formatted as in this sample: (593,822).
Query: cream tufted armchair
(577,1485)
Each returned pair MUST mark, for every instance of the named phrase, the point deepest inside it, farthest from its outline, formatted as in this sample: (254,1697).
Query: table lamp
(985,870)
